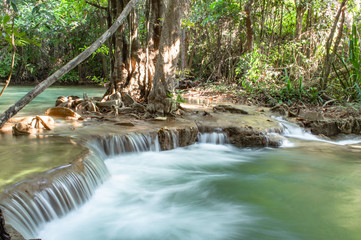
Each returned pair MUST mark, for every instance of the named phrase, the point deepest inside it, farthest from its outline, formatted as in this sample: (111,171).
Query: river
(308,189)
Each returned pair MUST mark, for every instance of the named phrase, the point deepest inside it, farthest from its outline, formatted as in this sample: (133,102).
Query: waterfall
(213,138)
(292,130)
(113,145)
(28,211)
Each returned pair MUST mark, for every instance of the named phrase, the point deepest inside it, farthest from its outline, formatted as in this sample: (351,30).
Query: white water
(292,130)
(213,138)
(27,212)
(157,195)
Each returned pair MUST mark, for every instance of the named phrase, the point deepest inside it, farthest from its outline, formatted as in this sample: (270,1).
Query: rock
(229,108)
(127,99)
(311,115)
(327,128)
(127,124)
(247,137)
(62,112)
(4,235)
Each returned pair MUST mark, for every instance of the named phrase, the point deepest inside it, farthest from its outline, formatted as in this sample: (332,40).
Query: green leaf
(6,19)
(35,10)
(13,5)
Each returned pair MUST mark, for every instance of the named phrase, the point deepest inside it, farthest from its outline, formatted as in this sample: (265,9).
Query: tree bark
(300,11)
(249,26)
(159,103)
(329,57)
(69,66)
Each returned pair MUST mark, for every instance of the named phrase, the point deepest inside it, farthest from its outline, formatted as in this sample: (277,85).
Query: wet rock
(4,235)
(180,137)
(328,128)
(247,137)
(332,127)
(229,108)
(126,124)
(62,113)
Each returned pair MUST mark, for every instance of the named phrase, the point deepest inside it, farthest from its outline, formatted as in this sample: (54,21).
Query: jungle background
(281,51)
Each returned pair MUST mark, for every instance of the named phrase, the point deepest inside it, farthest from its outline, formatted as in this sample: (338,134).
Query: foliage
(176,96)
(350,82)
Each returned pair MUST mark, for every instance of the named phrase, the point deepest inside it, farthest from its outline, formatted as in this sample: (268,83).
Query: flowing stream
(308,189)
(216,191)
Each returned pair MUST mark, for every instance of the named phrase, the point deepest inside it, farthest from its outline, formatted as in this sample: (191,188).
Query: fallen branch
(69,66)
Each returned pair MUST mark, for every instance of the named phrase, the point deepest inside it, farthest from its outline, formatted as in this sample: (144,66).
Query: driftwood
(69,66)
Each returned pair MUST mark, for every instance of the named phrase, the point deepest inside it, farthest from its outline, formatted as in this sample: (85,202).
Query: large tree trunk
(65,69)
(134,66)
(159,102)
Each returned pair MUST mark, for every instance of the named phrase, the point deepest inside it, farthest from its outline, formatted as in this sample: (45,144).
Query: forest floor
(212,93)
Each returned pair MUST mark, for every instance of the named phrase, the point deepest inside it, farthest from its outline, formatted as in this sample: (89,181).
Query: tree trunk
(249,25)
(159,102)
(65,69)
(300,11)
(329,57)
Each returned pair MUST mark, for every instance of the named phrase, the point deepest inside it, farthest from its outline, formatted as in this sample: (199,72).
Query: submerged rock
(62,112)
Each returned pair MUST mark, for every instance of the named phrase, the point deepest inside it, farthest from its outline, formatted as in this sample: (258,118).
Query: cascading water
(113,145)
(28,212)
(205,191)
(292,130)
(213,138)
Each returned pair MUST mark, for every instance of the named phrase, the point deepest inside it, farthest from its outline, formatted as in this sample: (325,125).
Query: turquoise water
(310,190)
(46,99)
(25,156)
(206,191)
